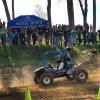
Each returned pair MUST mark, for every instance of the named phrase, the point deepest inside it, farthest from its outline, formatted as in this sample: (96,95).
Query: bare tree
(39,11)
(70,10)
(94,15)
(49,12)
(84,9)
(6,9)
(13,10)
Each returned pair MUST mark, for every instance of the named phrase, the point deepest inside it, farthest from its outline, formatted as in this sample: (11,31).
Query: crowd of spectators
(58,35)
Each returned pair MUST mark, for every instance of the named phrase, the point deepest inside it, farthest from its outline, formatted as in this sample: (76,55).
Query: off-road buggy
(46,74)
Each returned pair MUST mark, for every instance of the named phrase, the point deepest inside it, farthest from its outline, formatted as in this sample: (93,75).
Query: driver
(63,60)
(61,66)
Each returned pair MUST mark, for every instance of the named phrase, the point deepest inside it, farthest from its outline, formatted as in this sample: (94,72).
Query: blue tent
(26,21)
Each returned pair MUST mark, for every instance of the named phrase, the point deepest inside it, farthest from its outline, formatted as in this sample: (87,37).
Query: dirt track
(60,90)
(70,90)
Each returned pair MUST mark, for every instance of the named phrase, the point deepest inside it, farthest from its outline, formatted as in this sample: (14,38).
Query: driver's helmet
(66,58)
(59,58)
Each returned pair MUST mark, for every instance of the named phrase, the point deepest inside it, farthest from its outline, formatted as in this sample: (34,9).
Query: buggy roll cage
(57,52)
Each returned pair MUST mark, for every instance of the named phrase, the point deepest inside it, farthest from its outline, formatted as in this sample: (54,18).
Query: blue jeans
(56,40)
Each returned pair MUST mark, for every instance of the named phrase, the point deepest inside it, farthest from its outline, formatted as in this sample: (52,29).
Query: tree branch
(81,6)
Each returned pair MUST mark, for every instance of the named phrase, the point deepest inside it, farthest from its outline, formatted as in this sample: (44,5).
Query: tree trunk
(70,10)
(49,19)
(49,12)
(85,20)
(6,9)
(13,10)
(84,12)
(94,15)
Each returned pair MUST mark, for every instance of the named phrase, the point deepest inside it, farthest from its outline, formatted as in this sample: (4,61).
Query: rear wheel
(46,79)
(81,76)
(36,80)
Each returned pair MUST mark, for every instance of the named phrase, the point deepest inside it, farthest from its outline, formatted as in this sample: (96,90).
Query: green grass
(23,55)
(30,55)
(80,48)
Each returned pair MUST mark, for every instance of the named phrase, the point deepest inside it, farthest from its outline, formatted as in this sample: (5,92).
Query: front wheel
(46,79)
(81,75)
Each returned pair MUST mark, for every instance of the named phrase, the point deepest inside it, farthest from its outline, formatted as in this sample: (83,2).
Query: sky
(59,10)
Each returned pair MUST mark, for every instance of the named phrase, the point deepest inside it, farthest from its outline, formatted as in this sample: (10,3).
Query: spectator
(28,33)
(73,36)
(66,36)
(60,32)
(0,24)
(3,24)
(47,36)
(84,32)
(11,37)
(3,38)
(93,35)
(15,40)
(56,37)
(99,35)
(40,36)
(89,37)
(34,36)
(22,36)
(79,36)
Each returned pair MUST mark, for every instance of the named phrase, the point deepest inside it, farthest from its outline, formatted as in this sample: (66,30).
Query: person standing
(0,24)
(84,32)
(29,32)
(3,41)
(15,40)
(79,36)
(89,37)
(40,36)
(73,36)
(66,36)
(22,36)
(11,37)
(56,37)
(3,38)
(99,35)
(34,36)
(47,36)
(60,32)
(93,36)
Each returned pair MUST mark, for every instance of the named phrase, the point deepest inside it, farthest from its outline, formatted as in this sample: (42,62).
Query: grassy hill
(17,56)
(23,55)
